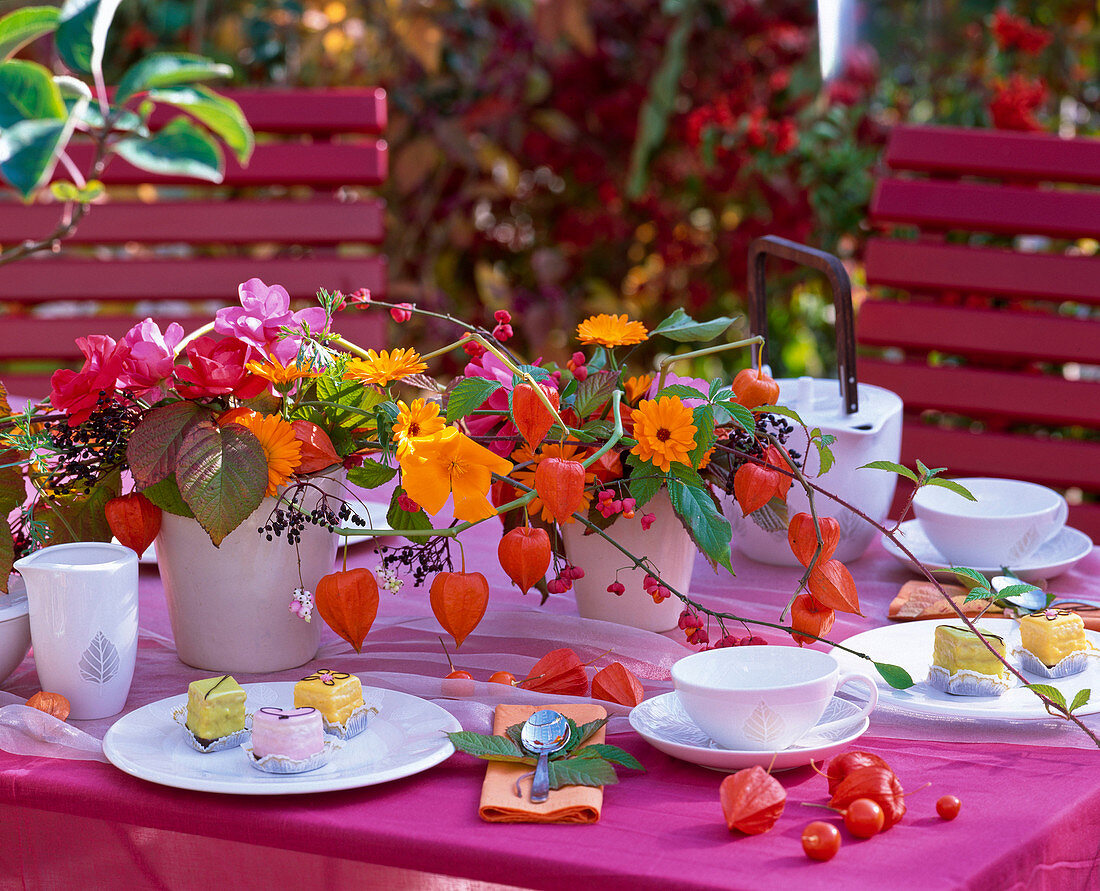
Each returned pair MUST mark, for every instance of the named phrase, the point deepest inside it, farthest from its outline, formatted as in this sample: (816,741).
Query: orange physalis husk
(754,486)
(607,467)
(134,520)
(752,388)
(317,450)
(531,417)
(833,586)
(809,616)
(51,703)
(803,539)
(348,602)
(560,484)
(459,600)
(752,800)
(874,782)
(775,458)
(842,765)
(559,672)
(617,683)
(524,554)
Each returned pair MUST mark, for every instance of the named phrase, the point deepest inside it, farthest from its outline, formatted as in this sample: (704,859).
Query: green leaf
(155,441)
(219,113)
(896,676)
(703,520)
(979,592)
(969,577)
(645,480)
(1016,590)
(468,395)
(28,92)
(593,392)
(703,417)
(29,152)
(780,410)
(222,475)
(582,772)
(346,404)
(1051,693)
(890,467)
(579,735)
(167,70)
(536,371)
(402,519)
(166,496)
(371,475)
(952,485)
(19,28)
(682,328)
(741,415)
(84,516)
(491,748)
(101,24)
(1080,699)
(609,753)
(82,33)
(179,149)
(681,390)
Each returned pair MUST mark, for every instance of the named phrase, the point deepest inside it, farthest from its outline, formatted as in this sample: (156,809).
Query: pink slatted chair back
(987,314)
(301,214)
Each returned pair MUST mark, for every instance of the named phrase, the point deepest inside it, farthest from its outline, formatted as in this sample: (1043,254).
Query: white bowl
(15,627)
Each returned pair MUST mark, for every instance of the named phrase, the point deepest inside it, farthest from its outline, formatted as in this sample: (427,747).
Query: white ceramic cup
(1007,524)
(762,699)
(83,603)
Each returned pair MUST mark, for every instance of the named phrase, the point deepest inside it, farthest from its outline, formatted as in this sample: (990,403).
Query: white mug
(1008,523)
(763,699)
(83,604)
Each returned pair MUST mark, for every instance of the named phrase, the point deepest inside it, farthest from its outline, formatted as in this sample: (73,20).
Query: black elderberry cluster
(755,443)
(290,516)
(419,560)
(86,453)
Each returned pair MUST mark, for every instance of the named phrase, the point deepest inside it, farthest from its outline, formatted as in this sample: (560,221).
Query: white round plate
(909,644)
(404,738)
(1063,551)
(373,512)
(663,723)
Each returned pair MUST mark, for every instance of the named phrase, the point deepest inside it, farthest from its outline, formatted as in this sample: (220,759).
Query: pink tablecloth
(1030,816)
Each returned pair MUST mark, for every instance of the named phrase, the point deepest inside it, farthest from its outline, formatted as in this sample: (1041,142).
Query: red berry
(948,807)
(820,840)
(503,677)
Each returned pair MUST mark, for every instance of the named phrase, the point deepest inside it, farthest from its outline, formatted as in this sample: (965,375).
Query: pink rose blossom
(77,392)
(151,356)
(489,366)
(264,311)
(217,369)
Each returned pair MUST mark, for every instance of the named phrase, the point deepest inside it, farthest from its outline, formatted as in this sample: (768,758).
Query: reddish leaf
(348,602)
(524,554)
(803,538)
(752,800)
(459,600)
(833,586)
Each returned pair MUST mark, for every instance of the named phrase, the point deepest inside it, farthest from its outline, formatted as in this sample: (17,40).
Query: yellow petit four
(963,664)
(1051,636)
(215,707)
(335,694)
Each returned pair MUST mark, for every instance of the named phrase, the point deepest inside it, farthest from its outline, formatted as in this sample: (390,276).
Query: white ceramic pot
(666,543)
(230,605)
(15,627)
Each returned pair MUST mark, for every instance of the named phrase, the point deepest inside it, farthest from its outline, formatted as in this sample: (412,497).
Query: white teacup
(1007,524)
(762,699)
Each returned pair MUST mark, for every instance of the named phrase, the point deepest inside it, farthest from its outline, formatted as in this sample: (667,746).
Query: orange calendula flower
(281,448)
(450,463)
(416,420)
(279,374)
(664,431)
(611,331)
(385,367)
(526,475)
(636,387)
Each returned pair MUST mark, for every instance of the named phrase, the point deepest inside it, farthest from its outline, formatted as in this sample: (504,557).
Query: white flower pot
(667,544)
(230,605)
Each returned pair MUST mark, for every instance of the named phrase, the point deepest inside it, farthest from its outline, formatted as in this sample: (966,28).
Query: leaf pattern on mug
(100,661)
(764,724)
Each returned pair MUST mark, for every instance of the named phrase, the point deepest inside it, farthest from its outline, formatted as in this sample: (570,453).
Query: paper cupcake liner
(1072,664)
(965,682)
(179,715)
(355,724)
(284,765)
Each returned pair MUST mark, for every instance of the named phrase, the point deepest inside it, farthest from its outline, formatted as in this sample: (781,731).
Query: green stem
(669,361)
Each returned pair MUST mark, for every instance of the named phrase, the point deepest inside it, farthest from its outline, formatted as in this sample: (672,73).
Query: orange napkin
(921,600)
(570,804)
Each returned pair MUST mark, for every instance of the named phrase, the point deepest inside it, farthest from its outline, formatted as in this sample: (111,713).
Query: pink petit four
(294,733)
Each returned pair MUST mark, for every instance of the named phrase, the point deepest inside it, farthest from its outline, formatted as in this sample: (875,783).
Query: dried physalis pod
(134,520)
(752,800)
(842,765)
(318,452)
(560,672)
(560,484)
(459,600)
(530,414)
(348,602)
(524,554)
(617,683)
(51,703)
(803,538)
(753,387)
(811,618)
(754,486)
(874,782)
(832,585)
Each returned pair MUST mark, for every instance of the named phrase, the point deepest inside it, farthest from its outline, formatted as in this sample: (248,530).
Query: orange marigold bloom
(280,375)
(526,475)
(385,367)
(416,420)
(664,431)
(636,387)
(281,448)
(611,331)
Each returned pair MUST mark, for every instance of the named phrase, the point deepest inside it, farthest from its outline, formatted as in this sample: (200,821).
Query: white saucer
(663,723)
(1061,552)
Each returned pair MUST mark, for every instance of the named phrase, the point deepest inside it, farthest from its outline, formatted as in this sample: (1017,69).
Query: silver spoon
(544,733)
(1031,600)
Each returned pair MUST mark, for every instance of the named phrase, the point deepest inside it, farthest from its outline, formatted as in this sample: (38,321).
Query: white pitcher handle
(856,677)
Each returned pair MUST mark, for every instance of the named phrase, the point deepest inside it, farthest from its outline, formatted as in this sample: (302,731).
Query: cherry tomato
(948,807)
(820,840)
(503,677)
(864,818)
(464,675)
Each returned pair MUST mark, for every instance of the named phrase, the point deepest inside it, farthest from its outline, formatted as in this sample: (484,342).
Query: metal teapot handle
(841,285)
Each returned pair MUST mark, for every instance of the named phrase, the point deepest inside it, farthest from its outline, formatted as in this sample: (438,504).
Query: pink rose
(77,392)
(217,369)
(264,311)
(151,356)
